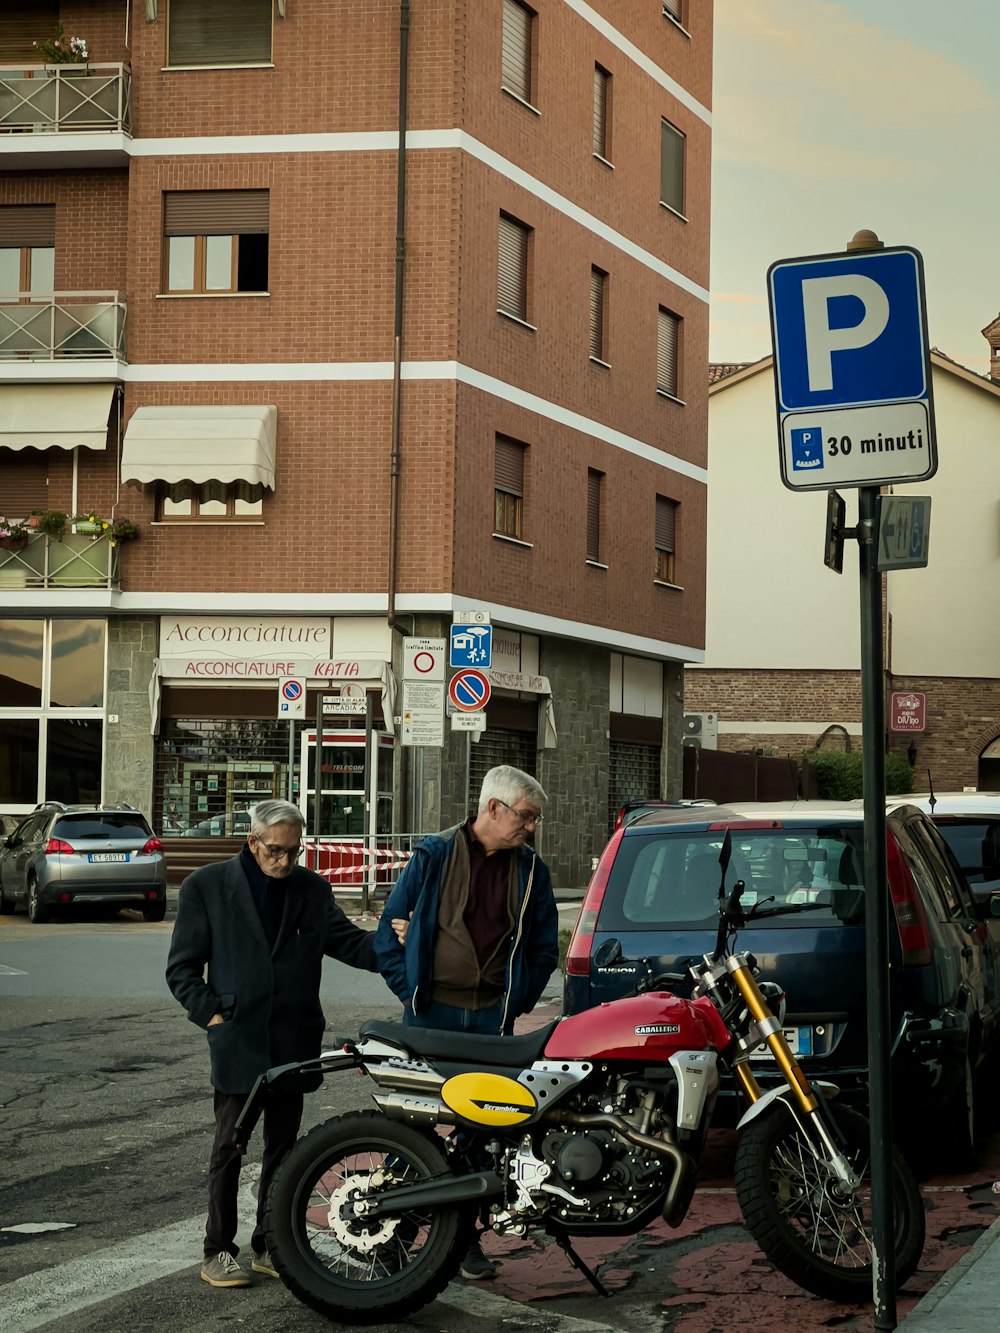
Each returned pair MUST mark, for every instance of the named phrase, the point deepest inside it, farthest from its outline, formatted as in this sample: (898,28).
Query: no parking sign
(291,697)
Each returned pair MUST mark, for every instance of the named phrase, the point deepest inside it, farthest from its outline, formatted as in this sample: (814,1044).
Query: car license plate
(799,1039)
(107,856)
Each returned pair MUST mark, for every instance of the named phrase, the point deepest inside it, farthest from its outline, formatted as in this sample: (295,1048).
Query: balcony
(77,561)
(65,115)
(66,327)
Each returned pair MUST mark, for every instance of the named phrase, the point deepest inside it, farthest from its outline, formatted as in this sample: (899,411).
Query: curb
(925,1309)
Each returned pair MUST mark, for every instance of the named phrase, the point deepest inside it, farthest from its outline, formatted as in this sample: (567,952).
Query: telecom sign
(469,691)
(852,369)
(471,646)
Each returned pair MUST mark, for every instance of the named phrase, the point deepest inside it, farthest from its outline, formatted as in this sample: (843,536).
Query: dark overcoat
(220,961)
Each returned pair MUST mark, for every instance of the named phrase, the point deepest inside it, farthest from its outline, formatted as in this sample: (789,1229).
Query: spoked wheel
(357,1270)
(810,1230)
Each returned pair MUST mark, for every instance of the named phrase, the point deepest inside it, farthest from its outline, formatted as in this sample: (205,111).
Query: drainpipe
(397,341)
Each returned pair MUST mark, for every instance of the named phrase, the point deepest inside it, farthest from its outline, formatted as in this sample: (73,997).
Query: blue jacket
(534,949)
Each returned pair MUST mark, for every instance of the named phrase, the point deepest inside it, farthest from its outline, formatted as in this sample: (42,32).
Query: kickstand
(571,1254)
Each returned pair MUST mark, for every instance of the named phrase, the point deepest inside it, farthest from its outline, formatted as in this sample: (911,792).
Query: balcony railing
(43,562)
(62,326)
(65,99)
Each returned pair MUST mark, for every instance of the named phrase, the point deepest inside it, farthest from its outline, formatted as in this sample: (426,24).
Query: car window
(107,824)
(936,889)
(673,879)
(976,846)
(949,875)
(29,830)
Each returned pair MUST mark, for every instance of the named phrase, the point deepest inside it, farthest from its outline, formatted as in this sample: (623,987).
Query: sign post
(291,704)
(853,392)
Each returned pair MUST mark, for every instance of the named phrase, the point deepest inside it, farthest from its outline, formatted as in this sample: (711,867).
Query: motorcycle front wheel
(820,1240)
(361,1271)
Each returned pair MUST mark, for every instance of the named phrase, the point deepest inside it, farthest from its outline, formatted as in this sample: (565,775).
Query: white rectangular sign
(468,721)
(422,713)
(423,659)
(291,697)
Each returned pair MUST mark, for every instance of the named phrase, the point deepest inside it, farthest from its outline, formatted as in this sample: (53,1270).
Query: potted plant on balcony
(89,525)
(53,523)
(62,50)
(122,530)
(13,534)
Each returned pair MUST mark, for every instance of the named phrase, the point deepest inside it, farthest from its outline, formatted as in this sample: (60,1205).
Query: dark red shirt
(487,915)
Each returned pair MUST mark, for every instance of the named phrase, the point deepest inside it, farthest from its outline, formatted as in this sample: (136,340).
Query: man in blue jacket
(260,924)
(481,940)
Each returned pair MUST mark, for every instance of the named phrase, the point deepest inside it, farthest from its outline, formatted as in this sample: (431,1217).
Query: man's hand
(401,926)
(216,1018)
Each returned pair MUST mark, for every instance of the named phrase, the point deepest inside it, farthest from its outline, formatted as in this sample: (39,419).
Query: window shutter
(671,166)
(598,278)
(215,212)
(516,63)
(509,466)
(219,32)
(25,22)
(512,281)
(600,111)
(673,8)
(666,523)
(24,479)
(27,225)
(667,337)
(594,480)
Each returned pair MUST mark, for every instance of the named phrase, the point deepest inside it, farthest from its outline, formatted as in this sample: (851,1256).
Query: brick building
(366,315)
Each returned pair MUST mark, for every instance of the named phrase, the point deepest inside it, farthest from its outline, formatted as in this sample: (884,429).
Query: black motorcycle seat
(467,1047)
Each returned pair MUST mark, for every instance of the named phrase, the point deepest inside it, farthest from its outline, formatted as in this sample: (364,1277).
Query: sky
(834,115)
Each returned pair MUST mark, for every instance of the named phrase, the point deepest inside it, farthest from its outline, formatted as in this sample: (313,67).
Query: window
(24,480)
(512,282)
(602,113)
(674,9)
(219,32)
(598,315)
(595,485)
(666,537)
(27,249)
(215,241)
(508,494)
(672,143)
(213,500)
(668,341)
(23,23)
(515,76)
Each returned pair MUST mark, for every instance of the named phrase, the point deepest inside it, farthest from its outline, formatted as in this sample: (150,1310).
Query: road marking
(11,971)
(35,1228)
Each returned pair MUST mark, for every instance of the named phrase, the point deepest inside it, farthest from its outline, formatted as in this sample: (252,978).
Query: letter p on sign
(822,339)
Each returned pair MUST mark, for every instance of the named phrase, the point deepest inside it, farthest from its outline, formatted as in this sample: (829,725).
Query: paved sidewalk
(967,1297)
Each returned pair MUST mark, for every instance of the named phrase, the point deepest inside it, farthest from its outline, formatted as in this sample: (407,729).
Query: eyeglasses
(525,817)
(279,853)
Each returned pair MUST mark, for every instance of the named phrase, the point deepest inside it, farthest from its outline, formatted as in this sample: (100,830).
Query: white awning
(55,416)
(201,444)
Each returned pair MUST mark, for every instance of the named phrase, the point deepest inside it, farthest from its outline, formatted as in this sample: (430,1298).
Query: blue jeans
(452,1019)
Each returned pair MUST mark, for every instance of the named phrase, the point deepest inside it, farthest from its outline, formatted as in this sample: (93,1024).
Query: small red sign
(469,690)
(908,711)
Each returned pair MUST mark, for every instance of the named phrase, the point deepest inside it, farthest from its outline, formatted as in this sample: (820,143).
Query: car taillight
(56,847)
(151,845)
(578,953)
(914,935)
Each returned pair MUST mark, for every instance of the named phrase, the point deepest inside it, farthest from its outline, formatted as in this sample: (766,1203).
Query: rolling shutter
(27,225)
(22,23)
(594,480)
(512,279)
(516,64)
(600,111)
(666,523)
(509,466)
(215,212)
(24,483)
(666,352)
(219,32)
(671,166)
(598,278)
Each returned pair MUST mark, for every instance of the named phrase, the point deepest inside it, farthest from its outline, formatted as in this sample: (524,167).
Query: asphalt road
(105,1125)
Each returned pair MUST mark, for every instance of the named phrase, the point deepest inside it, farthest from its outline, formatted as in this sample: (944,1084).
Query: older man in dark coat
(260,924)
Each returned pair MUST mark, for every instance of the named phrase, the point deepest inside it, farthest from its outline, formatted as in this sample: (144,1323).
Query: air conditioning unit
(701,730)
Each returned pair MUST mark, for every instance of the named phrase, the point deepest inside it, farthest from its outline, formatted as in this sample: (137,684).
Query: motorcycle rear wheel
(361,1272)
(823,1244)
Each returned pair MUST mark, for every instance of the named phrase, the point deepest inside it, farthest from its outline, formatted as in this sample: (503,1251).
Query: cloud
(737,298)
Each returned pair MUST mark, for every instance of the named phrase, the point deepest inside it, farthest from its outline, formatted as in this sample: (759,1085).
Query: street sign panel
(471,646)
(469,691)
(468,721)
(852,369)
(291,697)
(904,530)
(351,699)
(908,711)
(422,716)
(423,659)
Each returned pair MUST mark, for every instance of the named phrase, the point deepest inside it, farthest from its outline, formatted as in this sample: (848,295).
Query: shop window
(672,154)
(666,540)
(76,677)
(215,241)
(213,501)
(508,492)
(516,62)
(513,296)
(219,32)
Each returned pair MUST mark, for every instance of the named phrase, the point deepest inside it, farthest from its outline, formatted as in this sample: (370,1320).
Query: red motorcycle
(591,1126)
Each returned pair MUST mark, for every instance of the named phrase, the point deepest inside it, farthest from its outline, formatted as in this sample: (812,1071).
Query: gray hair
(508,784)
(267,813)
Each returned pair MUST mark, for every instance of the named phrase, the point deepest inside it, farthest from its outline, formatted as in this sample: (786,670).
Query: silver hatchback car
(77,855)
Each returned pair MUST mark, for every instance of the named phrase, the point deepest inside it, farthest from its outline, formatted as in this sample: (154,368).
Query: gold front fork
(775,1038)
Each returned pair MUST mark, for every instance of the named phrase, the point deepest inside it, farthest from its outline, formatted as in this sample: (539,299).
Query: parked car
(74,855)
(656,890)
(969,822)
(634,809)
(235,825)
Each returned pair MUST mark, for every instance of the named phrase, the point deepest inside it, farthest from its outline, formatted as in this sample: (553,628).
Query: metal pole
(468,773)
(317,776)
(291,761)
(369,859)
(876,912)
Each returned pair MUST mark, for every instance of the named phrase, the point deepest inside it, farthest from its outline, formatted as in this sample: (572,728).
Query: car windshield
(674,879)
(109,824)
(976,845)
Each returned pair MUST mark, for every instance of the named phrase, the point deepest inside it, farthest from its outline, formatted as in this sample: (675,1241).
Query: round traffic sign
(469,690)
(291,690)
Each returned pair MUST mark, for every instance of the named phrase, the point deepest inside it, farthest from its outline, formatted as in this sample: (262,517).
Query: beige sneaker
(262,1264)
(222,1270)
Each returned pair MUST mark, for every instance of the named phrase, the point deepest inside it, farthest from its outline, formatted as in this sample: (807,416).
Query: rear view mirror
(995,904)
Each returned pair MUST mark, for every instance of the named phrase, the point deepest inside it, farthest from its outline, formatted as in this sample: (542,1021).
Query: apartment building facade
(366,316)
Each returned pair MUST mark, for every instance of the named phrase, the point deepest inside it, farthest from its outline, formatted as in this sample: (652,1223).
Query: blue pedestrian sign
(852,369)
(471,646)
